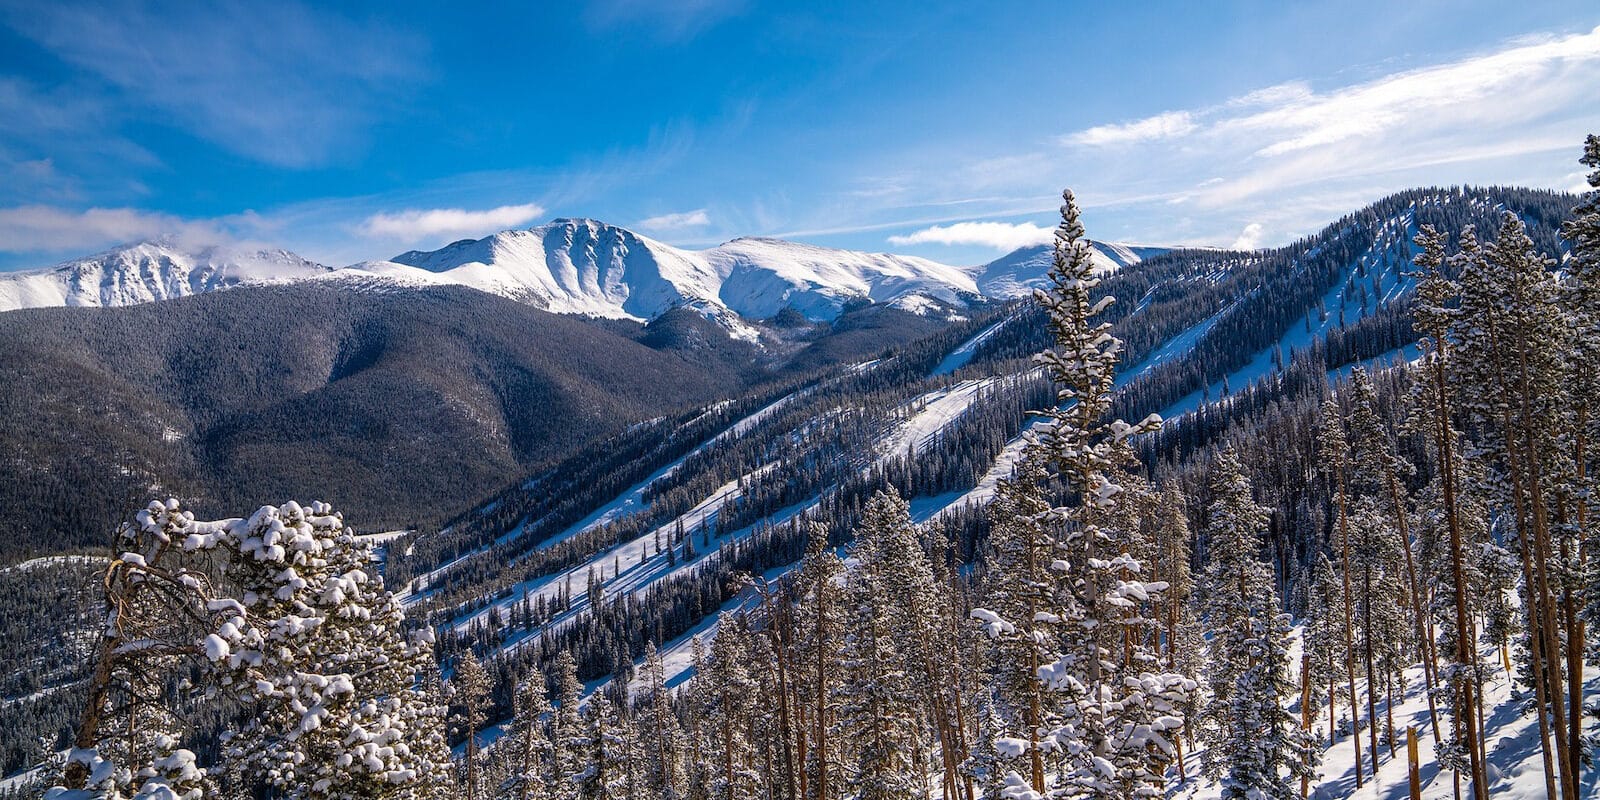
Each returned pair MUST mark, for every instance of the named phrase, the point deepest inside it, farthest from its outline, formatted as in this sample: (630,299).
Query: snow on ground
(1516,769)
(924,509)
(632,565)
(1343,307)
(960,356)
(62,560)
(624,505)
(935,411)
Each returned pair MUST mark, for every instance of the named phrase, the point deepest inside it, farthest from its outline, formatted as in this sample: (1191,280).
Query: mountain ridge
(572,266)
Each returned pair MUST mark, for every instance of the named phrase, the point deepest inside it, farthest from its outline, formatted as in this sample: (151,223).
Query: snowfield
(150,271)
(1516,768)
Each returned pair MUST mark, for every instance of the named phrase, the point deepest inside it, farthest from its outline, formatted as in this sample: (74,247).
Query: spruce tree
(1259,750)
(470,690)
(527,743)
(1117,712)
(662,771)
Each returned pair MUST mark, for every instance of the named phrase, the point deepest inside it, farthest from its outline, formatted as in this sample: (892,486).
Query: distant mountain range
(575,266)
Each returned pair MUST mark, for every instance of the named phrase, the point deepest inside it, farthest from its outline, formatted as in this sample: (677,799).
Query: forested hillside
(404,406)
(975,564)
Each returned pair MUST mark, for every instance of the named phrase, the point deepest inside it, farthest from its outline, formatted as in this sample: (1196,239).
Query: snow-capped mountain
(762,276)
(148,271)
(580,266)
(575,266)
(1019,272)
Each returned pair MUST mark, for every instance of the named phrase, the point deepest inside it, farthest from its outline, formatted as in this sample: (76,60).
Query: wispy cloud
(1161,126)
(697,218)
(1528,97)
(1003,236)
(413,225)
(1288,157)
(42,229)
(277,82)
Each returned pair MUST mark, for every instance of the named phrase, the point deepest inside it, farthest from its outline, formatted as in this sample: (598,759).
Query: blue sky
(354,132)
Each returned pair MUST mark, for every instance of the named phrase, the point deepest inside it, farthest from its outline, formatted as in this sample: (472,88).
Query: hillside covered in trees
(977,565)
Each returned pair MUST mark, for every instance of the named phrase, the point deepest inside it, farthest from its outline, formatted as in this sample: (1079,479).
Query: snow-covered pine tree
(1333,453)
(1375,460)
(1183,637)
(1271,757)
(526,748)
(469,687)
(662,774)
(1581,303)
(1324,637)
(1018,588)
(609,736)
(312,644)
(156,594)
(1259,749)
(1510,383)
(572,762)
(897,634)
(820,589)
(1384,625)
(1430,416)
(1238,592)
(691,701)
(725,685)
(318,647)
(1118,711)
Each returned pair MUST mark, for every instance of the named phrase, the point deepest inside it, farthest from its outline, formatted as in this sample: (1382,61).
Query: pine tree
(1374,457)
(528,743)
(470,689)
(1509,379)
(662,772)
(1259,750)
(609,738)
(725,685)
(1452,567)
(1116,711)
(895,637)
(1324,637)
(1581,304)
(1238,593)
(1019,587)
(572,749)
(1333,452)
(821,624)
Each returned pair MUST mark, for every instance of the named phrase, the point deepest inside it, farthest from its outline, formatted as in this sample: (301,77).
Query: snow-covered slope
(570,266)
(1018,273)
(762,276)
(579,266)
(575,266)
(147,271)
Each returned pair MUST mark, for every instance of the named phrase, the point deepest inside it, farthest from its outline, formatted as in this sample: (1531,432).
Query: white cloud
(674,222)
(414,225)
(1291,156)
(1169,125)
(1250,238)
(36,228)
(1004,236)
